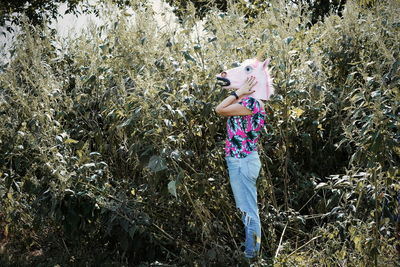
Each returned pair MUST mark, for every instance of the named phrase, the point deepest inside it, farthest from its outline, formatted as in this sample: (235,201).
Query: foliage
(253,8)
(110,148)
(34,10)
(40,11)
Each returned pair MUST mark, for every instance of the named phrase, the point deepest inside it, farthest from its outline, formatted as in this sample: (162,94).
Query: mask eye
(248,69)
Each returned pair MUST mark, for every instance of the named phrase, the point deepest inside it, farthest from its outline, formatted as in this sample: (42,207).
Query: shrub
(111,138)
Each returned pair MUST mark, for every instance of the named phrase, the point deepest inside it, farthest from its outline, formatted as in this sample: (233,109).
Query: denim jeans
(243,174)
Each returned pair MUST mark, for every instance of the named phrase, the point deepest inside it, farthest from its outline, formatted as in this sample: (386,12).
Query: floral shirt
(243,131)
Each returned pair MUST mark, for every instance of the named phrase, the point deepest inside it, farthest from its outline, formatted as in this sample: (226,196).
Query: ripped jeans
(243,174)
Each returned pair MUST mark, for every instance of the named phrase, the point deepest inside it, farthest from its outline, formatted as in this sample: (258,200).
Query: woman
(246,117)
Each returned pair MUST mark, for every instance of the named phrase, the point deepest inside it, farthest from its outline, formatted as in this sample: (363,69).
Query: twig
(280,241)
(188,165)
(101,191)
(229,230)
(170,252)
(165,233)
(65,246)
(312,239)
(308,201)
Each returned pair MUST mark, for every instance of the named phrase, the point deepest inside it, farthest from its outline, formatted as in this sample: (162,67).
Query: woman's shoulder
(261,103)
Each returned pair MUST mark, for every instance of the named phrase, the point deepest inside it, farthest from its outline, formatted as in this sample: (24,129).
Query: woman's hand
(229,107)
(246,88)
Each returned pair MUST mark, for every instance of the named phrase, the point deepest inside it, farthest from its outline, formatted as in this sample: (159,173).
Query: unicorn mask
(236,77)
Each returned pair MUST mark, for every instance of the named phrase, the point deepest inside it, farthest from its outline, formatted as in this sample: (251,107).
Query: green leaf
(172,188)
(156,164)
(126,123)
(288,40)
(70,141)
(179,177)
(321,185)
(188,57)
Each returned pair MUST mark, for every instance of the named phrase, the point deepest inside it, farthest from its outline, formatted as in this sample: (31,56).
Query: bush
(111,150)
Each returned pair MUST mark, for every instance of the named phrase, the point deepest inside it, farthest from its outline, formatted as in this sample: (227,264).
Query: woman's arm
(229,107)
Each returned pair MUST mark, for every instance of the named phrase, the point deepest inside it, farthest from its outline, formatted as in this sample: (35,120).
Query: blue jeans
(243,174)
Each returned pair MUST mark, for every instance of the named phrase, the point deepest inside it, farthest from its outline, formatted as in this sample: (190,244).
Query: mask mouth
(223,81)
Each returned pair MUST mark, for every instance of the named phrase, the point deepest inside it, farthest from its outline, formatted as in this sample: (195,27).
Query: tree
(319,8)
(36,10)
(39,11)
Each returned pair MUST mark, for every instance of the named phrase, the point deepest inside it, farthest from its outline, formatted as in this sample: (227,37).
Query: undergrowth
(111,152)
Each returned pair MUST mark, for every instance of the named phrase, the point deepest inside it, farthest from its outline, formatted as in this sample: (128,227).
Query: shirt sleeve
(251,103)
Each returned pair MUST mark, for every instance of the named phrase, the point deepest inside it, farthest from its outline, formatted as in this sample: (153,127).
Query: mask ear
(265,64)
